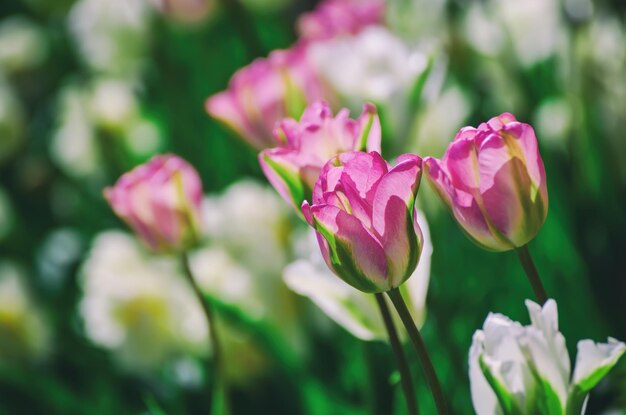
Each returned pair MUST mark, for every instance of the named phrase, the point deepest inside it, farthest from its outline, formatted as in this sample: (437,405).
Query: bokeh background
(90,322)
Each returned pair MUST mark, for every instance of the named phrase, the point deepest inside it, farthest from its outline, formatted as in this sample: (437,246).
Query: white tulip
(520,370)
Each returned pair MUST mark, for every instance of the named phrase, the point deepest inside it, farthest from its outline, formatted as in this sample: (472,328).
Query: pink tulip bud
(493,179)
(336,17)
(363,212)
(160,200)
(304,147)
(264,92)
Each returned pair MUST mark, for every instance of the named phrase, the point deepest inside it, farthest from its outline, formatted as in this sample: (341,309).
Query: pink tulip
(493,179)
(304,147)
(363,212)
(160,200)
(337,17)
(265,92)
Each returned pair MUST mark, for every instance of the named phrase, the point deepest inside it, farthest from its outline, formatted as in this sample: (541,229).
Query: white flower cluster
(139,306)
(517,369)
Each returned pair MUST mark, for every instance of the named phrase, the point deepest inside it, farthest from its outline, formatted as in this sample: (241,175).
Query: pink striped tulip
(160,200)
(493,179)
(337,17)
(264,92)
(304,147)
(363,213)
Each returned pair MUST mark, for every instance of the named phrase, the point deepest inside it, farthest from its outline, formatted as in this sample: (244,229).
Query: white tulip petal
(353,310)
(594,360)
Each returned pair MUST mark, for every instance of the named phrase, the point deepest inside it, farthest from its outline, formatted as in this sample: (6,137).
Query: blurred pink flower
(305,146)
(265,92)
(160,200)
(336,17)
(363,212)
(493,179)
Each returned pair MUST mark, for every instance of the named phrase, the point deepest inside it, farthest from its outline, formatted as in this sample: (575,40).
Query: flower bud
(304,147)
(493,179)
(160,200)
(363,212)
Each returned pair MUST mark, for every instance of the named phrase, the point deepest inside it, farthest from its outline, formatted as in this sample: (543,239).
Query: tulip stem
(420,347)
(396,346)
(220,404)
(531,272)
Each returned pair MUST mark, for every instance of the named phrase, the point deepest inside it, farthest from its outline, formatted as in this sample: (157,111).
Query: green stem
(420,348)
(532,274)
(396,346)
(220,404)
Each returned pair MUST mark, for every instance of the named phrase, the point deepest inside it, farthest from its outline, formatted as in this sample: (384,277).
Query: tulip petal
(370,132)
(362,171)
(392,217)
(464,207)
(355,255)
(594,361)
(224,108)
(282,171)
(461,164)
(351,309)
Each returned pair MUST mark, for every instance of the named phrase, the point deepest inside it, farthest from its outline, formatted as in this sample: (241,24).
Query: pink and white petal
(461,165)
(363,171)
(391,217)
(355,254)
(281,168)
(369,123)
(224,107)
(509,205)
(524,136)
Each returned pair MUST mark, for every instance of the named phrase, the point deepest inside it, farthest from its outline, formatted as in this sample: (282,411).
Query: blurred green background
(89,89)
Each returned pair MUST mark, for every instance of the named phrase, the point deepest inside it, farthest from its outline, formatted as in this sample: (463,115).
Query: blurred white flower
(481,31)
(112,102)
(534,28)
(112,35)
(11,121)
(22,44)
(219,274)
(355,311)
(374,65)
(143,137)
(553,122)
(251,222)
(24,334)
(417,19)
(139,306)
(526,369)
(248,228)
(440,120)
(74,145)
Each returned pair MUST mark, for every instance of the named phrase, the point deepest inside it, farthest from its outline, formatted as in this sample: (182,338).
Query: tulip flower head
(160,200)
(263,93)
(526,370)
(337,17)
(493,179)
(363,212)
(304,147)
